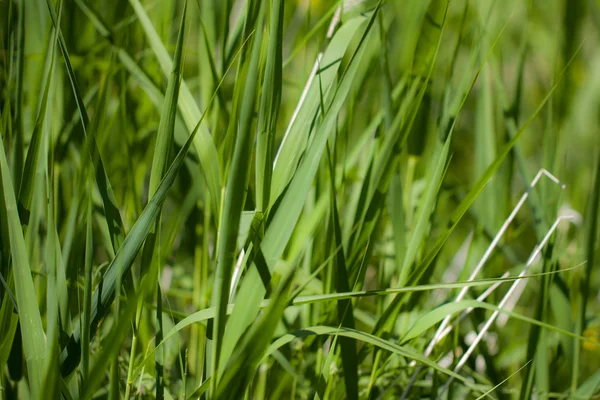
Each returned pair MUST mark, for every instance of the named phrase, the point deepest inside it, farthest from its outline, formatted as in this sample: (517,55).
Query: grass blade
(34,338)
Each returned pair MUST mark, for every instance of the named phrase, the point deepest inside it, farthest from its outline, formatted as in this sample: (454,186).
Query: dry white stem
(311,77)
(510,294)
(444,329)
(237,273)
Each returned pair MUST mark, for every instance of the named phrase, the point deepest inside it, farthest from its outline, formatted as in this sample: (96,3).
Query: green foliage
(227,199)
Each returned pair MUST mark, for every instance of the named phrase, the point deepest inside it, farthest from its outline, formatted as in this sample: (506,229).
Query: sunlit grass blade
(245,359)
(296,136)
(290,207)
(269,105)
(237,180)
(34,337)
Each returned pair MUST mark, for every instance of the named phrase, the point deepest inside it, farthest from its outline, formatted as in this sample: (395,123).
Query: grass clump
(299,199)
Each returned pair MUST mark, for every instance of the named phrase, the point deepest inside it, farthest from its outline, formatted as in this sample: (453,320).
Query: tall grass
(299,199)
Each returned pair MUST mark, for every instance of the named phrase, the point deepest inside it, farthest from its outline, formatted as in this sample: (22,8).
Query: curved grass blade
(209,313)
(366,338)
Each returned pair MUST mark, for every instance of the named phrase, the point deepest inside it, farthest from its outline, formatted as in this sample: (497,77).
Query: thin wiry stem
(313,72)
(534,255)
(542,172)
(444,329)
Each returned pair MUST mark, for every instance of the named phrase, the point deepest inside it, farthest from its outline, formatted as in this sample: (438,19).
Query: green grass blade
(120,265)
(204,146)
(587,388)
(269,106)
(34,338)
(33,153)
(237,181)
(162,152)
(427,202)
(591,252)
(296,138)
(366,338)
(111,210)
(345,309)
(248,354)
(288,212)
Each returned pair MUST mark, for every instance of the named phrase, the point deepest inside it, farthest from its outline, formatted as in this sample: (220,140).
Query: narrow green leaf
(111,210)
(269,106)
(289,209)
(33,153)
(120,265)
(237,181)
(34,338)
(245,359)
(203,144)
(345,310)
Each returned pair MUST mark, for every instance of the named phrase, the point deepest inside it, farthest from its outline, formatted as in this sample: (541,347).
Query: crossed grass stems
(509,300)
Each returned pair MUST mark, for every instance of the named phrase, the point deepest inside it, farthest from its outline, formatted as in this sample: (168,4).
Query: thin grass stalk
(17,126)
(87,291)
(509,294)
(591,251)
